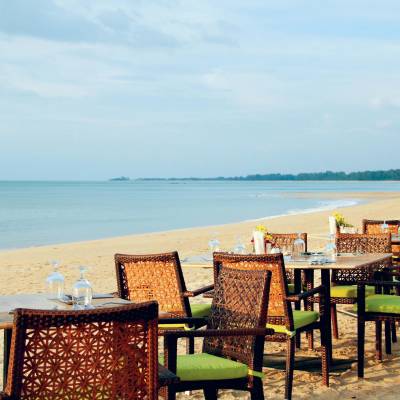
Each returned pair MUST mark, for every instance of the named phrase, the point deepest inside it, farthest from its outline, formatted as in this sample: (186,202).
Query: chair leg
(324,356)
(360,346)
(190,345)
(257,392)
(388,337)
(290,351)
(170,394)
(394,333)
(298,341)
(335,328)
(310,339)
(378,340)
(210,393)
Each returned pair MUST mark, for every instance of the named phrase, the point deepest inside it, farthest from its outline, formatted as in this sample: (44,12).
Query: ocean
(41,213)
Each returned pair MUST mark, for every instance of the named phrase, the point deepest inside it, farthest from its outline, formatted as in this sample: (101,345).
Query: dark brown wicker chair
(344,289)
(374,226)
(285,321)
(159,277)
(95,354)
(380,307)
(233,343)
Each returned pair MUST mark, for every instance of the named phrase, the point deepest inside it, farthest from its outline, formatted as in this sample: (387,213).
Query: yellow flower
(261,228)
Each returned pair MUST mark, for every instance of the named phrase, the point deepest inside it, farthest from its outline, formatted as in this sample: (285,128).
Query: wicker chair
(95,354)
(287,240)
(233,343)
(380,307)
(344,289)
(159,277)
(372,226)
(285,321)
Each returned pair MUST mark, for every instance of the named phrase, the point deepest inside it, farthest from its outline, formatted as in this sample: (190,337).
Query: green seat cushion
(383,303)
(300,319)
(350,291)
(291,288)
(200,310)
(203,366)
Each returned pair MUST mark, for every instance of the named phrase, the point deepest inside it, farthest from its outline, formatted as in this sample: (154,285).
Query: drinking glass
(330,249)
(275,250)
(239,248)
(385,227)
(82,292)
(55,283)
(299,247)
(214,244)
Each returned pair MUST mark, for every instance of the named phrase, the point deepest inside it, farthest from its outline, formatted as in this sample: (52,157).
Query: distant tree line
(388,175)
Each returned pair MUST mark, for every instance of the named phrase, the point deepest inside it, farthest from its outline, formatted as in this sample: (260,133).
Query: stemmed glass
(82,292)
(239,248)
(55,283)
(385,227)
(299,247)
(330,249)
(214,244)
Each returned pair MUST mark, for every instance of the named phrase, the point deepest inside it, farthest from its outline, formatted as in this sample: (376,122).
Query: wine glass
(330,249)
(385,227)
(82,292)
(239,248)
(55,283)
(299,247)
(214,244)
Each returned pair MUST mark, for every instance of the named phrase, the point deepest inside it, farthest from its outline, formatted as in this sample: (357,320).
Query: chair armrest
(193,293)
(220,332)
(183,320)
(308,293)
(378,283)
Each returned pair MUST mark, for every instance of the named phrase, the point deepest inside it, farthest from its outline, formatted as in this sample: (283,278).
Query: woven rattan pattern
(153,277)
(283,240)
(373,226)
(279,310)
(82,355)
(237,304)
(361,243)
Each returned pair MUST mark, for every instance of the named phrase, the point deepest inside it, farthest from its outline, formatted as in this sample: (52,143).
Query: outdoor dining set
(110,350)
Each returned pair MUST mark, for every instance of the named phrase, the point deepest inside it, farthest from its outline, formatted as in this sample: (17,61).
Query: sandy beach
(25,270)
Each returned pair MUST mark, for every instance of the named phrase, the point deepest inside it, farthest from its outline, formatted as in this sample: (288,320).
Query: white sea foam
(324,206)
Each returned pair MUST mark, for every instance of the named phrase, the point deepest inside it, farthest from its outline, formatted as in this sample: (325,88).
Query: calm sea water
(39,213)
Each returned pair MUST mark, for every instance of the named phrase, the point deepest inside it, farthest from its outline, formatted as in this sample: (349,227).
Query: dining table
(309,264)
(41,302)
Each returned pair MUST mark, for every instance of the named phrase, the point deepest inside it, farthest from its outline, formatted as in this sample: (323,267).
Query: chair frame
(378,318)
(253,357)
(280,303)
(165,283)
(346,243)
(31,327)
(394,225)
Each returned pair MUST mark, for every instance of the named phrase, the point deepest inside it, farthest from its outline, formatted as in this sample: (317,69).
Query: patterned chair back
(240,301)
(153,277)
(279,309)
(94,354)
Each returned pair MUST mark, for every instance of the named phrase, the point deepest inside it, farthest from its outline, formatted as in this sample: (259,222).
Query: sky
(157,88)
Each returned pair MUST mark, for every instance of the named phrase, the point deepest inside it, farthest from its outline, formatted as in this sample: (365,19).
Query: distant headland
(120,178)
(386,175)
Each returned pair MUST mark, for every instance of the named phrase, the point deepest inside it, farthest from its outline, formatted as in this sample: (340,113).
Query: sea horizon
(37,213)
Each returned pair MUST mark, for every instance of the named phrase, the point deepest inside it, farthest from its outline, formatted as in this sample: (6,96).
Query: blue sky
(98,88)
